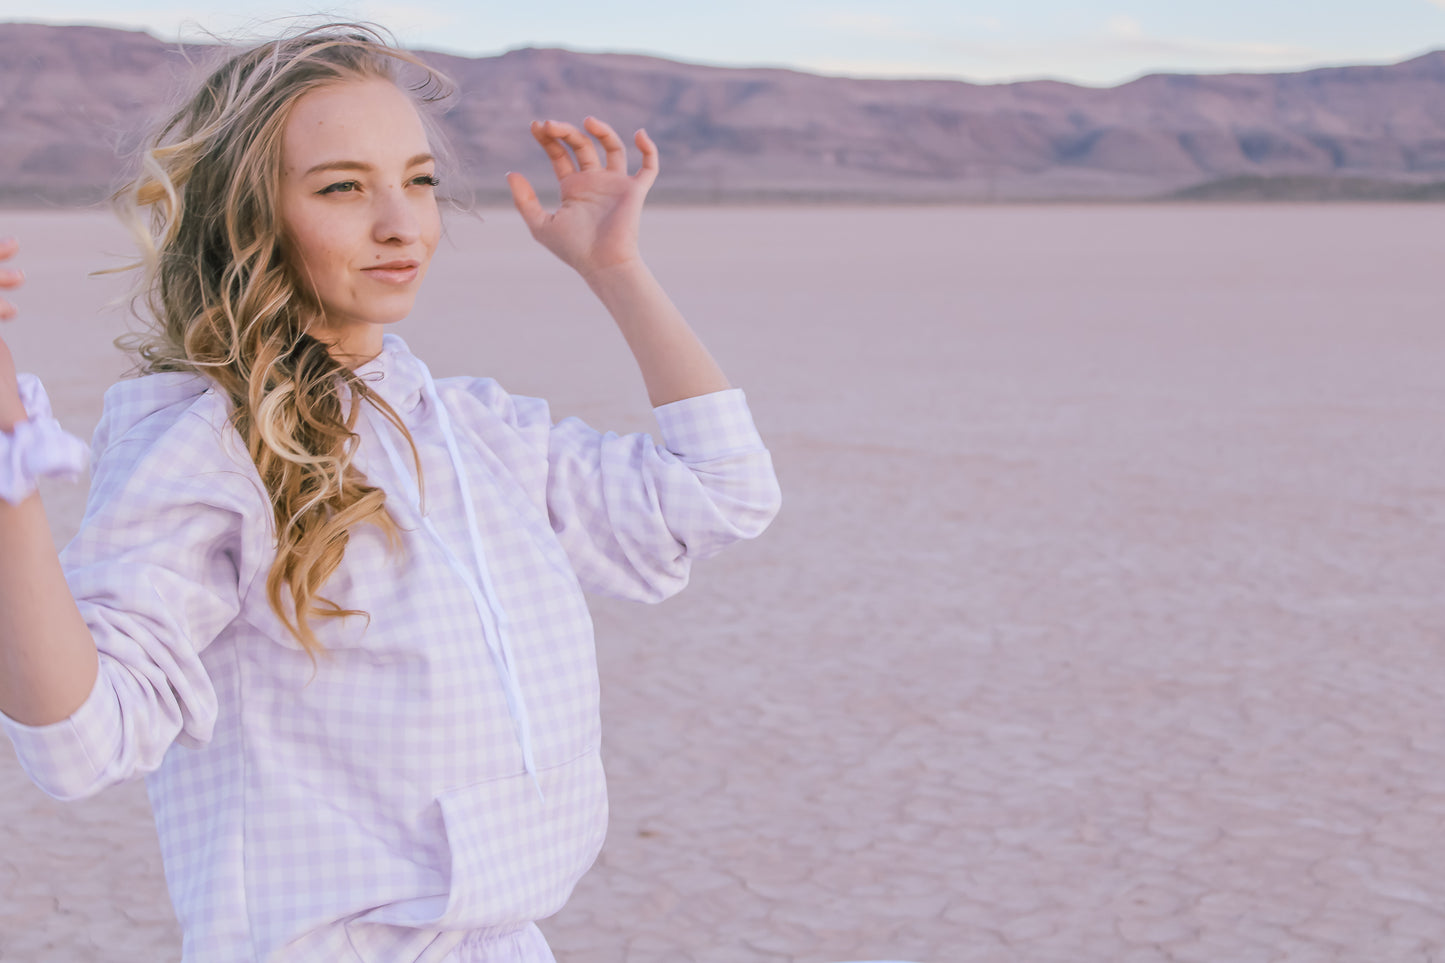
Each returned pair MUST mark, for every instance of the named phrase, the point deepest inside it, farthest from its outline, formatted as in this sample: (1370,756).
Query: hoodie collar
(395,374)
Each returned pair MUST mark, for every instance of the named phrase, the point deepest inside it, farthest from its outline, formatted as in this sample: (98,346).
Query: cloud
(1125,35)
(911,69)
(872,24)
(1119,48)
(1124,28)
(882,26)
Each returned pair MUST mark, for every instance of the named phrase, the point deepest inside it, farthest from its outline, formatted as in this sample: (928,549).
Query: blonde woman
(329,606)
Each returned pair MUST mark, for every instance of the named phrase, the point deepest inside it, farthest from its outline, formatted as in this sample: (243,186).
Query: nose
(396,219)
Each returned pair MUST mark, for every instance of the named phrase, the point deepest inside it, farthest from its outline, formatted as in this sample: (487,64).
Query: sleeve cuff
(709,426)
(60,756)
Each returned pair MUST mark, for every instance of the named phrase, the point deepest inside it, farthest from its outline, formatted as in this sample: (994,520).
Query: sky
(1097,43)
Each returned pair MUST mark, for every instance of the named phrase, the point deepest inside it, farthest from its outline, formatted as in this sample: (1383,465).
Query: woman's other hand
(596,225)
(11,410)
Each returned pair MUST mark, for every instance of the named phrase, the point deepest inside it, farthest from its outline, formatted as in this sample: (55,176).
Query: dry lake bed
(1103,620)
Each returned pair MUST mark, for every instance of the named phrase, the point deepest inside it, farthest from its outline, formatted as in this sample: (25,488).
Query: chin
(383,315)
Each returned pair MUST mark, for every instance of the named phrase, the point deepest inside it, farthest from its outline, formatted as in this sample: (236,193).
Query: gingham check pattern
(375,808)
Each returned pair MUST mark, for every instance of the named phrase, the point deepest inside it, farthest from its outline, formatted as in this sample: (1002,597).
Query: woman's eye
(429,180)
(340,187)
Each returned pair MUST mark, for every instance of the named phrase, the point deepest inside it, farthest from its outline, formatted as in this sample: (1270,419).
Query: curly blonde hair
(224,301)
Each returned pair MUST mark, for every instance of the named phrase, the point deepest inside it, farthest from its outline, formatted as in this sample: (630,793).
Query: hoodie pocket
(515,857)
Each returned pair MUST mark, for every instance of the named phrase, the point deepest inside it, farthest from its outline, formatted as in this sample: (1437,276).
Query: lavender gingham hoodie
(380,807)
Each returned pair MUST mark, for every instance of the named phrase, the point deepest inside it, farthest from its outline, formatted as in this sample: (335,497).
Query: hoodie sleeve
(632,514)
(156,571)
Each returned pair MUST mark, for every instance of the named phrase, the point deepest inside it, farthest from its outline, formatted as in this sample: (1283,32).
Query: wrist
(626,272)
(32,443)
(11,415)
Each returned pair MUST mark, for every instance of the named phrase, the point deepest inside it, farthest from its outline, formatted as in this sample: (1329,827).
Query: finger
(9,277)
(561,160)
(533,215)
(611,143)
(580,143)
(647,173)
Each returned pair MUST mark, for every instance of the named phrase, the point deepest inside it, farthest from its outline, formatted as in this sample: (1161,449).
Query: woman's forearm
(674,363)
(48,661)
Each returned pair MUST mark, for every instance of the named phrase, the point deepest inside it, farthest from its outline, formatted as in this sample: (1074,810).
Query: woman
(332,607)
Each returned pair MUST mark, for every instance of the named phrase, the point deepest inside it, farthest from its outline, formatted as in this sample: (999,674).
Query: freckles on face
(358,207)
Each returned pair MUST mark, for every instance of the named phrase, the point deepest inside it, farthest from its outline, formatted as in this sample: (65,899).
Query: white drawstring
(484,595)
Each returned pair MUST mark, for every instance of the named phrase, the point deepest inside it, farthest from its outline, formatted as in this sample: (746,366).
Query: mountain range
(76,100)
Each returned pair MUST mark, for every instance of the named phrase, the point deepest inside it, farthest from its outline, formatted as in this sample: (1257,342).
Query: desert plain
(1102,622)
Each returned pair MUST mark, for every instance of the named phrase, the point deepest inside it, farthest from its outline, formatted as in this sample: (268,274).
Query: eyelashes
(350,187)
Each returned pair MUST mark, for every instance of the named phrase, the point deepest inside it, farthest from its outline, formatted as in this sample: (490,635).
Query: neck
(353,351)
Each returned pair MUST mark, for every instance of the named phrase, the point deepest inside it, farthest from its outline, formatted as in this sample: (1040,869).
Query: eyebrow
(346,165)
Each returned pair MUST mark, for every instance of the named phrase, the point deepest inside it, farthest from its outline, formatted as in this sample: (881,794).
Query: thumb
(525,198)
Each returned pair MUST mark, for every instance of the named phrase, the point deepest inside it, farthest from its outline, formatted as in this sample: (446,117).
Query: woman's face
(358,209)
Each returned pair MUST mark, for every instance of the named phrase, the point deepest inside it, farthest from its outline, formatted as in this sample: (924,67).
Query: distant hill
(1305,187)
(74,98)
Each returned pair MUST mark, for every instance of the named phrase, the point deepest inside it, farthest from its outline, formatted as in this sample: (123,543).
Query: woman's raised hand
(595,226)
(11,410)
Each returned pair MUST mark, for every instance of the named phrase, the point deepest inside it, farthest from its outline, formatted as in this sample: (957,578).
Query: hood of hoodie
(130,402)
(395,374)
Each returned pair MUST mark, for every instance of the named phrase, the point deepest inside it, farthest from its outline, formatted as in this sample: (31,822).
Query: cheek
(310,240)
(313,257)
(432,231)
(428,219)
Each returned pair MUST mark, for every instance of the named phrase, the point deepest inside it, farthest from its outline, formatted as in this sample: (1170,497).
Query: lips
(393,272)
